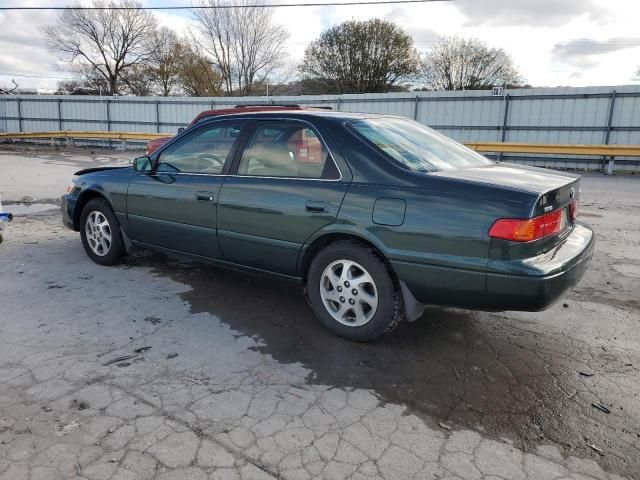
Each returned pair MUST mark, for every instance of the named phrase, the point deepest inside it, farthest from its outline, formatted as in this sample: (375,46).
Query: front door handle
(316,206)
(204,196)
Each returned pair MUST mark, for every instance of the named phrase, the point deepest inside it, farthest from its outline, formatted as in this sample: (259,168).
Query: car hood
(99,169)
(514,177)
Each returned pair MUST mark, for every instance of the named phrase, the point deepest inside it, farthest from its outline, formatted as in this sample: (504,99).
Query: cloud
(24,51)
(528,29)
(589,46)
(178,23)
(588,52)
(549,13)
(414,25)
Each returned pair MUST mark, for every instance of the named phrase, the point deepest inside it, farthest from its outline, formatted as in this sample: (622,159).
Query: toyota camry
(374,215)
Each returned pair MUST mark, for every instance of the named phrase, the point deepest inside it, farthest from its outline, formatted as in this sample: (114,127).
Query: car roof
(243,108)
(298,113)
(251,108)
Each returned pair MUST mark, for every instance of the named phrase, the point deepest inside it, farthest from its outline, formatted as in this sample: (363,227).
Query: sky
(552,42)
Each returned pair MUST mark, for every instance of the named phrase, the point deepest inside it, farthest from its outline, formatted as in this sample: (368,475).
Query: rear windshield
(416,147)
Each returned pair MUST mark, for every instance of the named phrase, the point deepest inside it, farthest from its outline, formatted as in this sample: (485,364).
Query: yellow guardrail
(494,147)
(556,149)
(86,135)
(610,151)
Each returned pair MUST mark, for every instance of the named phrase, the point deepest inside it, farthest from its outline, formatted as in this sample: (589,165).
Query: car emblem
(572,193)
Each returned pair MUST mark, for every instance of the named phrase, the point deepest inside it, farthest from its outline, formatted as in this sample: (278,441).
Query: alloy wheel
(98,233)
(349,293)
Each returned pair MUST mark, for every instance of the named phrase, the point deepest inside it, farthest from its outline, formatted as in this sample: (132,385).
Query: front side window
(416,147)
(205,151)
(286,149)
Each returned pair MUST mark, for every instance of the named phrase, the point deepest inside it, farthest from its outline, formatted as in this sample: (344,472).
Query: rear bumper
(530,284)
(68,209)
(547,276)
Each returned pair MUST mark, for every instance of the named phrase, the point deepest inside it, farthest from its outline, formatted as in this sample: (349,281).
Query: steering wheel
(210,162)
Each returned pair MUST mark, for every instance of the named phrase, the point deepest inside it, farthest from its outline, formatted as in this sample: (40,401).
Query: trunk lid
(515,177)
(553,190)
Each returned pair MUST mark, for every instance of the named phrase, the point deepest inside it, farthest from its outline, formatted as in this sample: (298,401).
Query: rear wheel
(352,291)
(100,232)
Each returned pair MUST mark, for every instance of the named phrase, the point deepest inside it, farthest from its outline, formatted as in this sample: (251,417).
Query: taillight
(527,230)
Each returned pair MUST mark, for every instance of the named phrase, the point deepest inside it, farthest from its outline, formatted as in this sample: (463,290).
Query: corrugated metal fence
(589,115)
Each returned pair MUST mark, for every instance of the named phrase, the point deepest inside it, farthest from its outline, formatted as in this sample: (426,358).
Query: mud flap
(128,245)
(413,309)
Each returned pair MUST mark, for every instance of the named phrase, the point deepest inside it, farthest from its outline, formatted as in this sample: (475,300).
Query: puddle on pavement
(467,369)
(29,209)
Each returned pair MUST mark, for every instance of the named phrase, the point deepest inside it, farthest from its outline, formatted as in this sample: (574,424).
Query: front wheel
(100,233)
(352,292)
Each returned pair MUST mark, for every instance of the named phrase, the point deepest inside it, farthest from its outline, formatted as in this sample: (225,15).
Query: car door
(174,205)
(284,186)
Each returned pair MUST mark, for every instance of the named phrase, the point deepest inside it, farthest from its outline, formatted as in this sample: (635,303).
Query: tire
(100,233)
(366,307)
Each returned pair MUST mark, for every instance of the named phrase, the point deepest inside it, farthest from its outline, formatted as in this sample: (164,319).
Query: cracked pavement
(258,390)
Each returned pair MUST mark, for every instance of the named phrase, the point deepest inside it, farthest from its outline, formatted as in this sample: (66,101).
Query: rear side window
(287,149)
(416,147)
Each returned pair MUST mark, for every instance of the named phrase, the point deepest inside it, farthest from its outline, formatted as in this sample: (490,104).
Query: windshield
(416,147)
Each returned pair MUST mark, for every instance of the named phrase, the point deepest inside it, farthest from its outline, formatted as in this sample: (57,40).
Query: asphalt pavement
(162,368)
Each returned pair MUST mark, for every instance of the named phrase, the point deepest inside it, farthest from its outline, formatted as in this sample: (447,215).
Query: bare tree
(244,43)
(138,80)
(81,86)
(9,90)
(468,64)
(105,41)
(360,56)
(91,78)
(196,75)
(67,87)
(164,61)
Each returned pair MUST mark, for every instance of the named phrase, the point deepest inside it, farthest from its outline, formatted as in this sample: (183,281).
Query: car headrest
(272,154)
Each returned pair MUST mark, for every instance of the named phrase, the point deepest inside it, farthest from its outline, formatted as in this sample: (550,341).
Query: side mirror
(180,130)
(141,164)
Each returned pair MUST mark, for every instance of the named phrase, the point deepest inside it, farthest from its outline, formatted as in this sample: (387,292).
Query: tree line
(242,51)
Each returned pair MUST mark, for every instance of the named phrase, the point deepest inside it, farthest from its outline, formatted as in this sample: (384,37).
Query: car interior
(203,153)
(288,150)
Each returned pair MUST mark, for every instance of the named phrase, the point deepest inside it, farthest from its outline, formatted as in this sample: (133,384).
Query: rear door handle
(204,196)
(316,206)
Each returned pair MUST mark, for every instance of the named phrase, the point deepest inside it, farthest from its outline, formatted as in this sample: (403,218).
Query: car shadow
(492,373)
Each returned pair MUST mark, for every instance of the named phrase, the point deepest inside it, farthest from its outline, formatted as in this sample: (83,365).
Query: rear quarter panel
(441,249)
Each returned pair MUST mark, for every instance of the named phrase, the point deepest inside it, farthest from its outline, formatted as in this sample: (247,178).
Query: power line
(630,43)
(3,74)
(598,43)
(217,7)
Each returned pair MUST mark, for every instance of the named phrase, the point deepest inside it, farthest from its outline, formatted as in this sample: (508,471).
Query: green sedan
(376,216)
